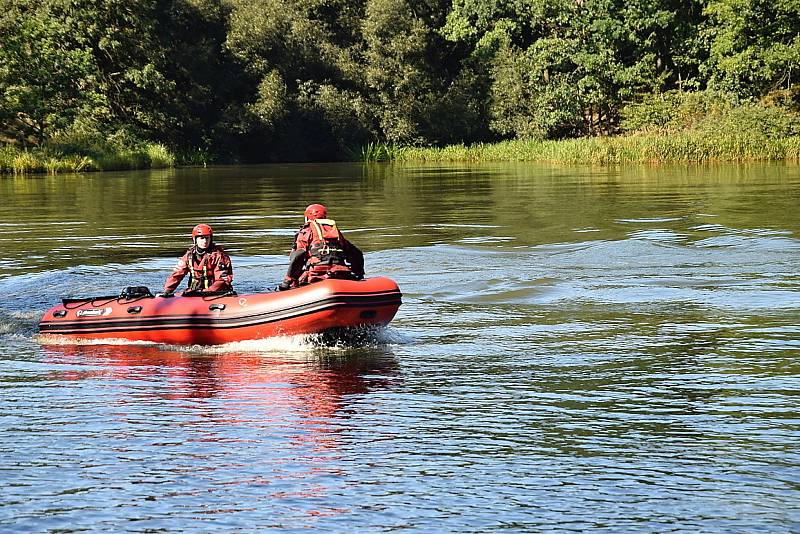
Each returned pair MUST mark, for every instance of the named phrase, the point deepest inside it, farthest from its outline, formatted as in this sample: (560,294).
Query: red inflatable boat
(214,319)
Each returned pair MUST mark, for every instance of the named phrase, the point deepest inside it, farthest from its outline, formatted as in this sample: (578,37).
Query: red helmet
(202,229)
(316,211)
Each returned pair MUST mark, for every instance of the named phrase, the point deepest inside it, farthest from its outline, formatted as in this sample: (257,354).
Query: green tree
(754,44)
(564,67)
(414,76)
(162,67)
(301,57)
(46,78)
(395,67)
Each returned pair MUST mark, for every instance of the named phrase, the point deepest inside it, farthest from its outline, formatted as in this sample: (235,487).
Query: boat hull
(213,320)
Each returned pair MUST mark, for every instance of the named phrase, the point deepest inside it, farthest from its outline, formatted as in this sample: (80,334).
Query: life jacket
(326,255)
(326,244)
(199,271)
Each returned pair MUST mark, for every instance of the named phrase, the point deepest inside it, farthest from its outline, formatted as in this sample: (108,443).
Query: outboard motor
(135,292)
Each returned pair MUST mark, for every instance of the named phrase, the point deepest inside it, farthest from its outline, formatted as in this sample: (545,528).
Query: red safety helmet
(316,211)
(202,229)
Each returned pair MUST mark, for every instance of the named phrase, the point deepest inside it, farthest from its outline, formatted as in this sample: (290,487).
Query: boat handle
(216,307)
(60,313)
(134,309)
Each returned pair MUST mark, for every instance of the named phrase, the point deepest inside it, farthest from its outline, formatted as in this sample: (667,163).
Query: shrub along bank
(52,161)
(671,127)
(676,126)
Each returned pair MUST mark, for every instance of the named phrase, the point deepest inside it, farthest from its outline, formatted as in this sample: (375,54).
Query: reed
(159,155)
(650,148)
(40,161)
(374,152)
(194,158)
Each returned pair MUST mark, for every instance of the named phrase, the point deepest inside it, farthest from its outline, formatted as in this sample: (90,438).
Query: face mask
(199,248)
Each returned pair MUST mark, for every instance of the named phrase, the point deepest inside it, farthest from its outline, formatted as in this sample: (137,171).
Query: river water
(579,349)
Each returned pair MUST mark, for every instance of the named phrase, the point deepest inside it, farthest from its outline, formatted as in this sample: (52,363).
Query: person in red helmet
(315,211)
(207,265)
(320,251)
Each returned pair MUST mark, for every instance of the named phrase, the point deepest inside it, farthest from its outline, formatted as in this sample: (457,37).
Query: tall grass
(50,161)
(194,158)
(684,147)
(159,156)
(147,156)
(373,152)
(672,127)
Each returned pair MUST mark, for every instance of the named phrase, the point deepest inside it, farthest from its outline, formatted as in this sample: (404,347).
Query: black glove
(283,286)
(166,294)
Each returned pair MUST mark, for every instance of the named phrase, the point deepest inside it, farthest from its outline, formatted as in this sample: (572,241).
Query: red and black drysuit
(209,270)
(320,251)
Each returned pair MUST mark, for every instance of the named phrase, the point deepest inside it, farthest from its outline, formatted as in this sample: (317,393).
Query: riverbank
(689,147)
(44,161)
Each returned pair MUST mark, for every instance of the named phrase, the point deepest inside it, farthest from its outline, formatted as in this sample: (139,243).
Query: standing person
(320,251)
(208,266)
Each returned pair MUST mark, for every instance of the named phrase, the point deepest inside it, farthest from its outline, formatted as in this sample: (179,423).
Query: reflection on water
(145,429)
(193,375)
(57,222)
(253,389)
(579,349)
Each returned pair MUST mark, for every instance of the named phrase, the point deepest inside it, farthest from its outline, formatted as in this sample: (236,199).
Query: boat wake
(18,322)
(339,339)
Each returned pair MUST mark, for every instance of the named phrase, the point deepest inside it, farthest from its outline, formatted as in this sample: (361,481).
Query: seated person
(208,266)
(320,251)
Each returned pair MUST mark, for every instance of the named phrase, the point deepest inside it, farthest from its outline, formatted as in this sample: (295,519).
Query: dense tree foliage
(755,44)
(267,80)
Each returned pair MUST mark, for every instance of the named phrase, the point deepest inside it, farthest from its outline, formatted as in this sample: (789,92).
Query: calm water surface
(579,349)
